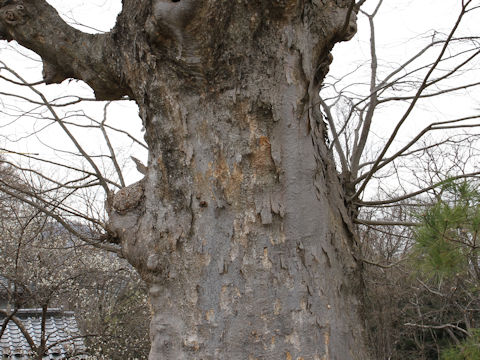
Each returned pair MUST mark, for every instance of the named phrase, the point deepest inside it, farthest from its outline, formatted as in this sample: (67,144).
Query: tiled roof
(61,328)
(4,285)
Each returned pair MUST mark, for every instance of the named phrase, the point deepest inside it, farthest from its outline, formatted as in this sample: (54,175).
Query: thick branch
(65,51)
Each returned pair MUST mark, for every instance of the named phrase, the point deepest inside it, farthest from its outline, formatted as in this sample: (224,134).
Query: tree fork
(240,225)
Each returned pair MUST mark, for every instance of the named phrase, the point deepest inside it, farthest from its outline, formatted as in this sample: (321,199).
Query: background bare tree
(392,179)
(46,267)
(398,94)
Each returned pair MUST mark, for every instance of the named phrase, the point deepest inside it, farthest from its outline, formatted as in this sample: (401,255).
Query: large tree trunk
(239,226)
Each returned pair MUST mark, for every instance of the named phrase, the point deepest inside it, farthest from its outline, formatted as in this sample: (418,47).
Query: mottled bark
(240,225)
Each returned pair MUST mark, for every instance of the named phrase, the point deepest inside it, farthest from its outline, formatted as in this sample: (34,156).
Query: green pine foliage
(447,241)
(467,350)
(447,253)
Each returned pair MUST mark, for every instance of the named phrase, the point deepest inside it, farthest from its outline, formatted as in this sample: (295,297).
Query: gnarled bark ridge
(239,225)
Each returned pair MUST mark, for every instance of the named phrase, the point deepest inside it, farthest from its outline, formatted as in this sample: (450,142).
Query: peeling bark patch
(242,227)
(262,160)
(230,182)
(326,338)
(268,204)
(267,264)
(293,339)
(277,308)
(228,297)
(263,207)
(210,316)
(277,203)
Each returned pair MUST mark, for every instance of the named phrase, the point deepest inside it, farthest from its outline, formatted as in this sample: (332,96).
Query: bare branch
(380,265)
(433,126)
(68,133)
(445,326)
(421,191)
(66,225)
(384,222)
(359,147)
(110,147)
(410,107)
